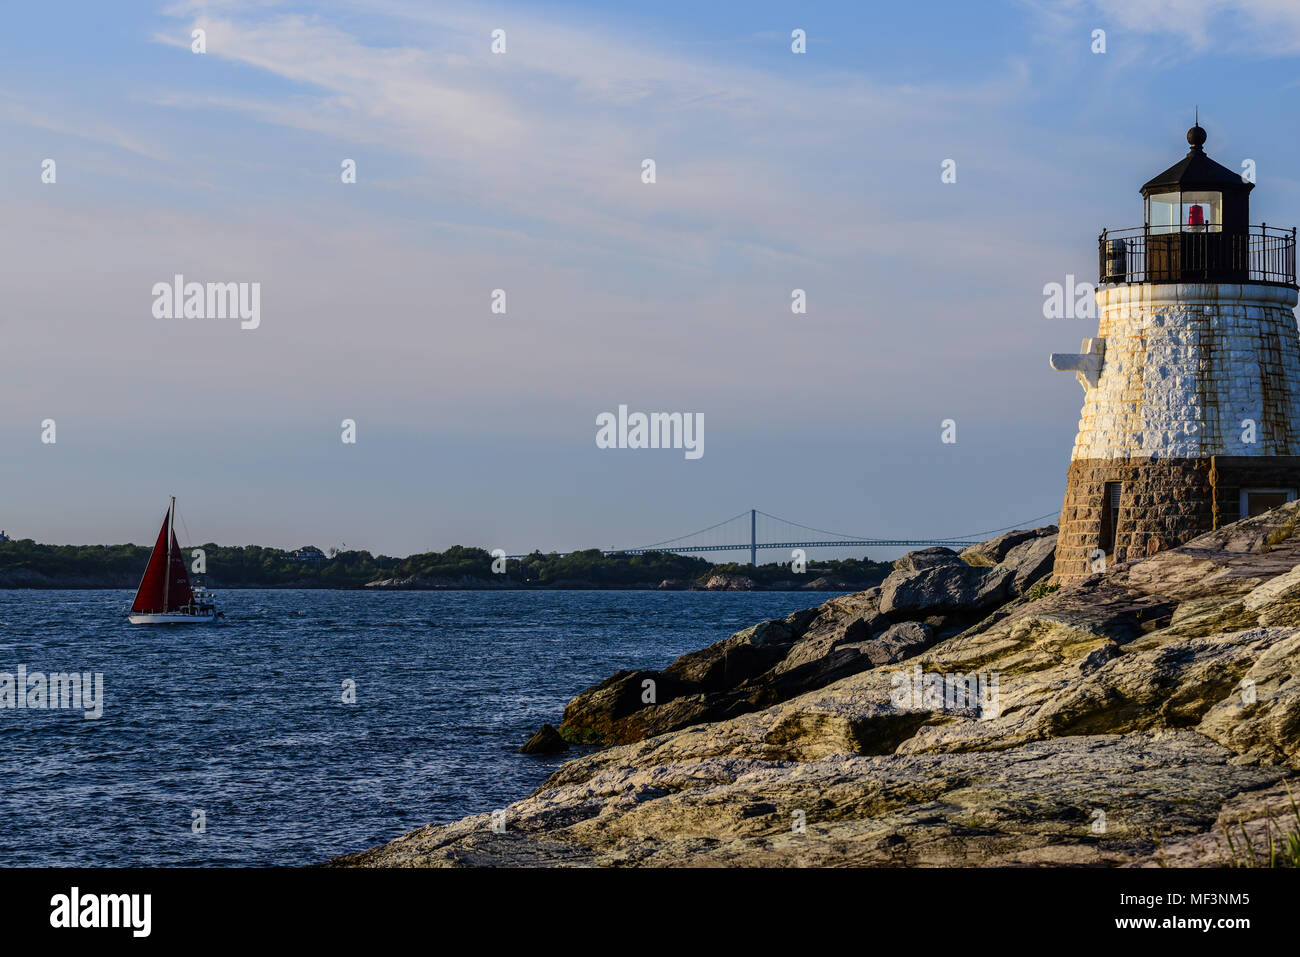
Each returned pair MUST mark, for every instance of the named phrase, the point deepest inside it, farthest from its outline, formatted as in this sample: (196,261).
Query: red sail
(153,587)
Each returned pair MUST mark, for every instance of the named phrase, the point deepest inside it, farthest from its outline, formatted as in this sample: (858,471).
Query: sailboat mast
(171,531)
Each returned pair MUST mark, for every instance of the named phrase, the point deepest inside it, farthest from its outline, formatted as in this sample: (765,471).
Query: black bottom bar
(1152,908)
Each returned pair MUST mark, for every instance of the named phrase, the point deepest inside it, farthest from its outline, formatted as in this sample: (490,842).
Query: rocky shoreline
(964,712)
(932,594)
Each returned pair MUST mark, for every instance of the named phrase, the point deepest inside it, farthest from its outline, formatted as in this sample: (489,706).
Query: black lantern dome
(1197,230)
(1197,194)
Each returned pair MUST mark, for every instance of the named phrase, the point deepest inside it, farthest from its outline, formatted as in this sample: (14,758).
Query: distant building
(308,553)
(3,536)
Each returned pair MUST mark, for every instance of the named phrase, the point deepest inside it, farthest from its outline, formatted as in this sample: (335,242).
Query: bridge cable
(701,531)
(977,536)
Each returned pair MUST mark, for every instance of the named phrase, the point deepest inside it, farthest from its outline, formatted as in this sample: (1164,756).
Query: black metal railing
(1263,254)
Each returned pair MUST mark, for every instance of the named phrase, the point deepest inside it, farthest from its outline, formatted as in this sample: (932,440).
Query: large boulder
(699,686)
(927,558)
(944,588)
(547,740)
(995,550)
(900,641)
(602,713)
(1030,562)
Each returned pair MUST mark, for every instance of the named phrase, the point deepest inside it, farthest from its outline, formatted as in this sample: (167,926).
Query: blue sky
(521,171)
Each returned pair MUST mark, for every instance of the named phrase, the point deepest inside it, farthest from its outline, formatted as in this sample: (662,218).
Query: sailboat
(165,596)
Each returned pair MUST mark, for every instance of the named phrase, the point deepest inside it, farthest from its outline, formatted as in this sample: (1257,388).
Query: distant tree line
(257,566)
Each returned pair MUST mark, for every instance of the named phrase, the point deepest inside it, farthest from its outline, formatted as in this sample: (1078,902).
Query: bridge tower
(1191,411)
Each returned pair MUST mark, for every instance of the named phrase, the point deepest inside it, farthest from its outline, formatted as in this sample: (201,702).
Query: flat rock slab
(1042,802)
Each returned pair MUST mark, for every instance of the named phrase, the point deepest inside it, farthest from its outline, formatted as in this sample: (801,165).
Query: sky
(523,171)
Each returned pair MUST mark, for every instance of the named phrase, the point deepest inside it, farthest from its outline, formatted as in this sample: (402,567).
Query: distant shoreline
(26,564)
(586,586)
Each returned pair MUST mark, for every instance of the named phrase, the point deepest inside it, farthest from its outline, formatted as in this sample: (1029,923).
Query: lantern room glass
(1163,212)
(1198,211)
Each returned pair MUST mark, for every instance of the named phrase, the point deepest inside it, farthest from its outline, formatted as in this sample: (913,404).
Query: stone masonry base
(1163,503)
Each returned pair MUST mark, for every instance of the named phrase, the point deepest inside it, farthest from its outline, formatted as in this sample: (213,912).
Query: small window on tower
(1257,501)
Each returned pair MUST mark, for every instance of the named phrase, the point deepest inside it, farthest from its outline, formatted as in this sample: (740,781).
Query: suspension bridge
(771,531)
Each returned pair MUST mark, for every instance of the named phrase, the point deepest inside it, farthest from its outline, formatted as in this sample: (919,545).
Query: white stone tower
(1191,413)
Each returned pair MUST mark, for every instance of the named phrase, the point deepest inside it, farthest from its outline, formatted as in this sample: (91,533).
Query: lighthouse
(1191,410)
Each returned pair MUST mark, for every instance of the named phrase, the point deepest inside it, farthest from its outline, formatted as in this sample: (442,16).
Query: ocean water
(245,720)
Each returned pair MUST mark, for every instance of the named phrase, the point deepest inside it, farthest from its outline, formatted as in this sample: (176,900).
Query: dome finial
(1196,135)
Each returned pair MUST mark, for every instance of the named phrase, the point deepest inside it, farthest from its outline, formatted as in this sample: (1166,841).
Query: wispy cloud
(1238,26)
(555,130)
(27,111)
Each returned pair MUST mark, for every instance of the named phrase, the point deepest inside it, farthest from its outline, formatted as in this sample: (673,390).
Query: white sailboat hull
(173,618)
